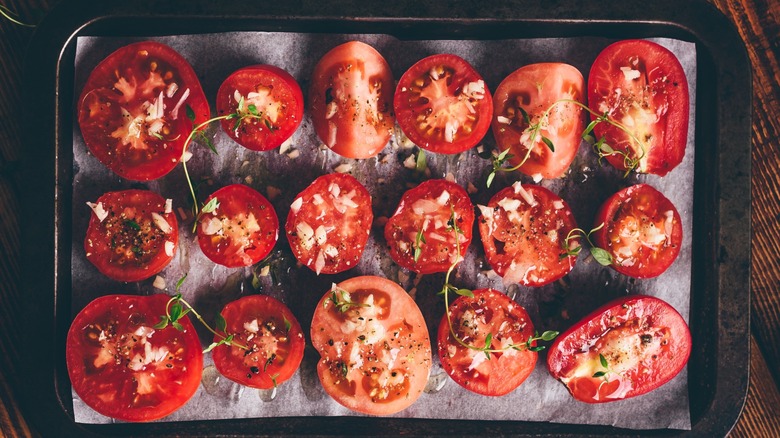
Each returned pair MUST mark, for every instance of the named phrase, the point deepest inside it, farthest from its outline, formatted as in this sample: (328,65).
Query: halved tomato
(443,105)
(543,91)
(133,110)
(132,234)
(124,368)
(628,347)
(374,346)
(488,313)
(241,230)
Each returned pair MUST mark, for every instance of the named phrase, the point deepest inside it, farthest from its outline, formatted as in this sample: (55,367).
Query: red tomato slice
(329,223)
(274,338)
(124,368)
(642,86)
(133,111)
(349,100)
(374,346)
(132,234)
(276,97)
(421,233)
(443,104)
(473,318)
(523,229)
(241,230)
(536,88)
(642,231)
(644,343)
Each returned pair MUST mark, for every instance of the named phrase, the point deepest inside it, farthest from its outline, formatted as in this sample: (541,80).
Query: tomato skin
(658,341)
(535,88)
(130,383)
(423,205)
(642,210)
(140,145)
(129,244)
(660,86)
(454,120)
(321,205)
(241,230)
(259,323)
(343,81)
(368,385)
(524,243)
(507,322)
(277,96)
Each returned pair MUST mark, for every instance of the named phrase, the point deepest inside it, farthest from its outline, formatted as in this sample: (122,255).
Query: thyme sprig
(12,16)
(341,300)
(602,256)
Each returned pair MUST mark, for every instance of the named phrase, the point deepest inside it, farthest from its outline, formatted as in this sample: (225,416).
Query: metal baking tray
(720,296)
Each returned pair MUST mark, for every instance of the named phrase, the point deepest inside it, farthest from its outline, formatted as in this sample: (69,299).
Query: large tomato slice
(272,335)
(488,312)
(133,111)
(443,104)
(642,86)
(275,97)
(132,234)
(374,346)
(241,230)
(349,99)
(422,231)
(535,89)
(124,368)
(626,348)
(642,231)
(329,223)
(523,230)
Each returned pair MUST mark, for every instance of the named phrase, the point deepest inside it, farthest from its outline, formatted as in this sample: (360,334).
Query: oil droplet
(436,382)
(218,386)
(267,395)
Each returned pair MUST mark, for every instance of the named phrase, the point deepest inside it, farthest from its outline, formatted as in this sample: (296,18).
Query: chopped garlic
(168,206)
(161,223)
(159,282)
(169,247)
(98,210)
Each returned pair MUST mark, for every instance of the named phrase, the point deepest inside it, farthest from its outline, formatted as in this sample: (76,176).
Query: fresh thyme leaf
(237,124)
(268,125)
(601,256)
(190,112)
(503,155)
(177,326)
(210,144)
(419,240)
(210,206)
(603,361)
(132,224)
(549,335)
(490,178)
(344,370)
(252,109)
(465,293)
(212,346)
(488,340)
(157,135)
(162,324)
(549,143)
(180,282)
(220,323)
(175,312)
(287,324)
(589,129)
(599,374)
(240,107)
(525,115)
(421,163)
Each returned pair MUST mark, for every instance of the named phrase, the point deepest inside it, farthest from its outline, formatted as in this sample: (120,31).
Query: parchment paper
(209,287)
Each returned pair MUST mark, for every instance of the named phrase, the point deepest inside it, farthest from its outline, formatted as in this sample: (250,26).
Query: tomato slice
(133,111)
(124,368)
(374,346)
(272,335)
(626,348)
(275,96)
(421,233)
(349,99)
(642,231)
(536,89)
(241,230)
(523,230)
(132,234)
(329,223)
(642,86)
(443,105)
(488,312)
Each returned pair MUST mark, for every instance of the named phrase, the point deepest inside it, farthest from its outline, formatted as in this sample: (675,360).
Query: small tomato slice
(137,109)
(422,231)
(132,234)
(329,223)
(374,346)
(270,94)
(642,86)
(642,231)
(349,99)
(241,230)
(536,89)
(524,229)
(272,335)
(626,348)
(488,312)
(124,368)
(443,105)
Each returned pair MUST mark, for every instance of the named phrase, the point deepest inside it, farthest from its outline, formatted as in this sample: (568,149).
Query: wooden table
(758,22)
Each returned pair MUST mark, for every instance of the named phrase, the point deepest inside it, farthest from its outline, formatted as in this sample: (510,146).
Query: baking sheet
(553,307)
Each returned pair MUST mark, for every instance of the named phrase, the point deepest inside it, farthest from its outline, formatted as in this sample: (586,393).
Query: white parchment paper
(209,287)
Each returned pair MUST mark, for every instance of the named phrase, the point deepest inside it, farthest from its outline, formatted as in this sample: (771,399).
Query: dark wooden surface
(758,22)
